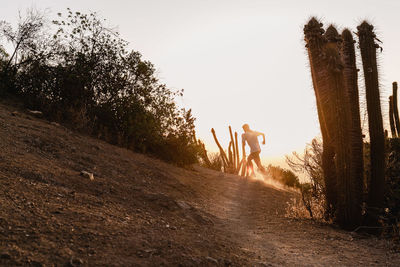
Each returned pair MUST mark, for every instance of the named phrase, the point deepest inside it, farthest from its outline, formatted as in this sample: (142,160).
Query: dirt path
(139,211)
(252,215)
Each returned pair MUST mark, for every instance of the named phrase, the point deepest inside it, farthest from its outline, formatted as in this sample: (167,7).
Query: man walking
(251,137)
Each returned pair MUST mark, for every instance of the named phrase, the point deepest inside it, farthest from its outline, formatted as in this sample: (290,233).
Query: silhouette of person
(251,137)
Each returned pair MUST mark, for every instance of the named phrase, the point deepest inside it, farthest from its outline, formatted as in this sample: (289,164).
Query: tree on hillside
(81,72)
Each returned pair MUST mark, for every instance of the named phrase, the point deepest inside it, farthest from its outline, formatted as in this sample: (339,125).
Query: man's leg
(250,164)
(258,162)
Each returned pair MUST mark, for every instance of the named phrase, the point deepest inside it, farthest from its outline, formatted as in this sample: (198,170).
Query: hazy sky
(239,61)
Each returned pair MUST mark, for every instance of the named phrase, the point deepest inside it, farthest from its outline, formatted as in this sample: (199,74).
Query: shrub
(285,177)
(392,186)
(80,72)
(313,192)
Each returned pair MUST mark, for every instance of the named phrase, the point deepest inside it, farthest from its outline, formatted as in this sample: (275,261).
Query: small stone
(35,113)
(66,252)
(55,123)
(183,205)
(212,260)
(88,175)
(15,113)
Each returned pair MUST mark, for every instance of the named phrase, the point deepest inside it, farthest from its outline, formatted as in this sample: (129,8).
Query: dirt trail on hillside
(253,215)
(139,211)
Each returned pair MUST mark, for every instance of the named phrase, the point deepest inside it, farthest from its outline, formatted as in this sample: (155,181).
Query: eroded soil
(140,211)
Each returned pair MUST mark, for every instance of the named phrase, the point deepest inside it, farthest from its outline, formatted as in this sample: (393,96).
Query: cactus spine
(377,138)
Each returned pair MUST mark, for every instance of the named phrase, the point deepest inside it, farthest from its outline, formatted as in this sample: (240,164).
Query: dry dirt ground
(139,211)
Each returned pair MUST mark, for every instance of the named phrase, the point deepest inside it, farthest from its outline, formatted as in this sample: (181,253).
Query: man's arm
(263,136)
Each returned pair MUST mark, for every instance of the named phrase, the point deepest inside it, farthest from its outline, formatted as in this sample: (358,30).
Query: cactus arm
(395,109)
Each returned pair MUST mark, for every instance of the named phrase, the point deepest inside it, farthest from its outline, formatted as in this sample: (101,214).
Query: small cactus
(237,153)
(391,118)
(395,109)
(233,161)
(221,150)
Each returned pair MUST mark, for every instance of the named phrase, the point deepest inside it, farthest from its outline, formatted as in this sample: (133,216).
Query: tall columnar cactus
(313,35)
(355,135)
(233,148)
(237,153)
(348,208)
(391,118)
(230,156)
(368,53)
(395,109)
(224,158)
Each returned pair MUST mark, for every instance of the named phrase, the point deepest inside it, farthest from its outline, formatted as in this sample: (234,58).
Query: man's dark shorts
(254,156)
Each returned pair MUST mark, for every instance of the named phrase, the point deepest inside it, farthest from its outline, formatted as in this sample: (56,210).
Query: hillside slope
(139,211)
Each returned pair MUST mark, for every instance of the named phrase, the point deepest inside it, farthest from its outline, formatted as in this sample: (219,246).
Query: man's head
(246,127)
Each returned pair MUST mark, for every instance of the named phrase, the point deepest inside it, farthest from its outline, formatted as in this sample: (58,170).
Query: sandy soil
(139,211)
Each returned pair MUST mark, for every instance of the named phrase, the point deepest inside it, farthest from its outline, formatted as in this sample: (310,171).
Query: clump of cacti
(334,73)
(231,163)
(394,113)
(333,110)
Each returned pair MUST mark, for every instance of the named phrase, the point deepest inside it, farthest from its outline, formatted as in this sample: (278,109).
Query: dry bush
(215,162)
(283,176)
(307,207)
(391,214)
(312,203)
